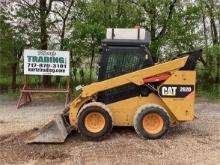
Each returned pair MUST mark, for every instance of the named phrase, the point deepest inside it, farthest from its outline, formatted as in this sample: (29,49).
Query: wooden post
(24,95)
(68,95)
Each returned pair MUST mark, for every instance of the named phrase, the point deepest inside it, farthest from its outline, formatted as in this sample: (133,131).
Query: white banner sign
(46,62)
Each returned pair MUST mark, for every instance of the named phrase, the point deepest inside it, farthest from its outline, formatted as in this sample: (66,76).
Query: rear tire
(94,121)
(151,121)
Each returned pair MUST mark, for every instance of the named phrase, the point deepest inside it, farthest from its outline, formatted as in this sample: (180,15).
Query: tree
(92,19)
(157,18)
(11,47)
(80,26)
(210,14)
(63,14)
(88,32)
(212,11)
(34,20)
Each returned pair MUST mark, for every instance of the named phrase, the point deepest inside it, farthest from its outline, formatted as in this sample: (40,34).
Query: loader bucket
(55,131)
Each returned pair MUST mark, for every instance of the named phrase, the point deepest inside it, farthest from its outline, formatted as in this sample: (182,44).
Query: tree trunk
(92,58)
(204,28)
(14,75)
(217,80)
(57,81)
(219,27)
(119,11)
(218,57)
(63,33)
(106,14)
(17,55)
(44,36)
(214,33)
(212,22)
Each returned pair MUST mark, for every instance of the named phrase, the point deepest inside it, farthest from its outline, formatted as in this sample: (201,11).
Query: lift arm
(134,77)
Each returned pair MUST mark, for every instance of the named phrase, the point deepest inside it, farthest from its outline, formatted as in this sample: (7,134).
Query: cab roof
(124,42)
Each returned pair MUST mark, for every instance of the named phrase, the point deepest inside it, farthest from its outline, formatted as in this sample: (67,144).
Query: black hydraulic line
(151,88)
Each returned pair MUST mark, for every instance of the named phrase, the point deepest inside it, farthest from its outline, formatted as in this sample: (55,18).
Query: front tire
(151,122)
(94,121)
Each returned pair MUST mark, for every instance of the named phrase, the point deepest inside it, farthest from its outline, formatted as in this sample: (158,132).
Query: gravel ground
(196,142)
(39,112)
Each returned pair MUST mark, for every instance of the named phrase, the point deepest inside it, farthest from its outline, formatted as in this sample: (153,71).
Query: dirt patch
(14,150)
(195,142)
(2,121)
(35,114)
(181,145)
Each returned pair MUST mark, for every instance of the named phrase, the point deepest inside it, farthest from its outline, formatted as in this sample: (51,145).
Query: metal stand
(25,92)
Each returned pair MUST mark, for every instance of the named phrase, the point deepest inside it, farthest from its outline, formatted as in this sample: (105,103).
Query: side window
(122,61)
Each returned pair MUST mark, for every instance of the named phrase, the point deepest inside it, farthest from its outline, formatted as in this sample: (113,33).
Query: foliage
(212,92)
(80,25)
(10,42)
(211,70)
(181,35)
(6,44)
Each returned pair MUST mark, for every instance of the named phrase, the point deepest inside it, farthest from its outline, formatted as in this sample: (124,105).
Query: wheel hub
(153,123)
(94,122)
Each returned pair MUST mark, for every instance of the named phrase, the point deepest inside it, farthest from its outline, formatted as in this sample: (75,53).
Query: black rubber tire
(138,121)
(94,107)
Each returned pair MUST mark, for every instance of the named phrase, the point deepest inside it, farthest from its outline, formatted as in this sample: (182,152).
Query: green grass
(35,82)
(209,91)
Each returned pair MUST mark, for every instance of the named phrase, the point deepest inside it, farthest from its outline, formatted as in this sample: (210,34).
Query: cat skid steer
(132,90)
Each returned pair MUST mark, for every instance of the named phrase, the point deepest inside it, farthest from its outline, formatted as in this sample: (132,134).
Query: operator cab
(123,56)
(123,51)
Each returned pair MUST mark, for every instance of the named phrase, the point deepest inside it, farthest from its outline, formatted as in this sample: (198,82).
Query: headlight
(78,87)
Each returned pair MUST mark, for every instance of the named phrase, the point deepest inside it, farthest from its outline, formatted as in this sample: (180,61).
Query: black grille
(119,93)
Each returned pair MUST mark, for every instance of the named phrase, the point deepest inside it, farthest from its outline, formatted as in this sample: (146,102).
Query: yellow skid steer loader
(132,90)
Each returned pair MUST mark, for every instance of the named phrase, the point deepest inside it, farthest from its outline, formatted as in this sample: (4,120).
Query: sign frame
(46,62)
(26,91)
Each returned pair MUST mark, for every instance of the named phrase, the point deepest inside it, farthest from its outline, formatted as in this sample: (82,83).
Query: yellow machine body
(179,109)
